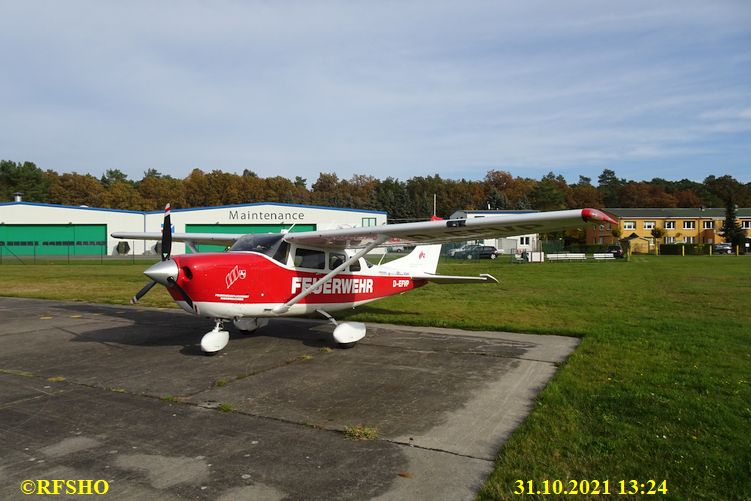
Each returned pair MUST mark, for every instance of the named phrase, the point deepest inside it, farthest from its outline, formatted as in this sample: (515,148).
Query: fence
(84,252)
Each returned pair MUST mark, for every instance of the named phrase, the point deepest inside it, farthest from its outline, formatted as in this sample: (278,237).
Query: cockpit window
(269,244)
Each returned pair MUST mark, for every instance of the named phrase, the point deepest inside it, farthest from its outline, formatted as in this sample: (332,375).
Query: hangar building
(28,228)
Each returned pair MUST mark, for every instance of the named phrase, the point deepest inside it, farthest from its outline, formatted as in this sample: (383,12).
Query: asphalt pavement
(124,394)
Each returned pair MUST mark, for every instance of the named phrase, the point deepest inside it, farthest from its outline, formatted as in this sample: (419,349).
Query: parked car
(723,248)
(452,252)
(615,250)
(476,252)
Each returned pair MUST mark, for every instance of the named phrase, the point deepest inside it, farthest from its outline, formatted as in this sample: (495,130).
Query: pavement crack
(433,449)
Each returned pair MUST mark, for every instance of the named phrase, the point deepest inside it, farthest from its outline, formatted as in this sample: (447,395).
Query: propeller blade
(166,235)
(181,291)
(142,292)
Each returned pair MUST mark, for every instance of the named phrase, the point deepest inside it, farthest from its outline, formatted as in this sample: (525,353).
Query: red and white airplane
(265,276)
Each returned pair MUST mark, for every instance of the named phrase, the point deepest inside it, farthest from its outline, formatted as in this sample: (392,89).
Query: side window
(336,259)
(308,258)
(355,266)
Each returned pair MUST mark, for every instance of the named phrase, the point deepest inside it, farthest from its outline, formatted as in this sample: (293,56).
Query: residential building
(680,225)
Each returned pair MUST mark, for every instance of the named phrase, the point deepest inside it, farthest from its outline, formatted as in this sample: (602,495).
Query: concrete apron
(125,395)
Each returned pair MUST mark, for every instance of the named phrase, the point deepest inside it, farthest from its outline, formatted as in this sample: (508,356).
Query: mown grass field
(658,388)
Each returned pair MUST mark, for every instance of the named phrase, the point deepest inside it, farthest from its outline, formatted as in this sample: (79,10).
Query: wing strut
(286,306)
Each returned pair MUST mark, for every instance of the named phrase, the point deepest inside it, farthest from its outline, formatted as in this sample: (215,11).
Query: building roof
(680,213)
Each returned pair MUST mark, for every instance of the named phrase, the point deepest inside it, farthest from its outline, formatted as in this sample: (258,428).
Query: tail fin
(423,259)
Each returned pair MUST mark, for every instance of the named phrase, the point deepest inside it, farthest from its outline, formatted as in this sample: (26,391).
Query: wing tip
(596,215)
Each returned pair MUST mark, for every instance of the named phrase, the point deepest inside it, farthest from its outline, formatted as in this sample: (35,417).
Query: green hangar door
(240,228)
(53,239)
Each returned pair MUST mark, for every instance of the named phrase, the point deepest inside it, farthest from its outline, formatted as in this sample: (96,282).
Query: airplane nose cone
(162,271)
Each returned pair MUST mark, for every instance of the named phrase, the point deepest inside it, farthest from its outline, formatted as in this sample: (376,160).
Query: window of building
(649,225)
(669,225)
(629,225)
(746,225)
(523,240)
(368,221)
(708,225)
(669,240)
(689,225)
(689,240)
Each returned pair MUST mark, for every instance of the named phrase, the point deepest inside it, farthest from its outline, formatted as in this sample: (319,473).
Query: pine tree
(731,230)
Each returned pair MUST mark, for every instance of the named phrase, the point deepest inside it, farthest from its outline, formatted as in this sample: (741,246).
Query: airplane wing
(194,238)
(449,230)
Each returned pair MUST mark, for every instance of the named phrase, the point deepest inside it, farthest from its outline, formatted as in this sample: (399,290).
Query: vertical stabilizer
(423,259)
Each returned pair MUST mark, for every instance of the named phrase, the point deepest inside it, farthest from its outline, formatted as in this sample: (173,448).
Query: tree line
(408,199)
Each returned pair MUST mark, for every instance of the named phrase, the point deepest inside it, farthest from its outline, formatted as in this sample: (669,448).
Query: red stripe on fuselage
(251,278)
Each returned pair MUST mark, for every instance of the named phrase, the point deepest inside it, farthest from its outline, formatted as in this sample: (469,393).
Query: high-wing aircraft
(265,276)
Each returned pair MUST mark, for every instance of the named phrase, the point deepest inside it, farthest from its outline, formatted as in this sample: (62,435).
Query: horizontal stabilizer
(451,279)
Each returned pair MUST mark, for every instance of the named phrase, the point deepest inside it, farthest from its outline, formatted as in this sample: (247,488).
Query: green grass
(225,408)
(658,388)
(360,432)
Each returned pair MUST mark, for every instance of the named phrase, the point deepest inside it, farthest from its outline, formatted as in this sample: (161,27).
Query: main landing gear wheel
(346,334)
(215,340)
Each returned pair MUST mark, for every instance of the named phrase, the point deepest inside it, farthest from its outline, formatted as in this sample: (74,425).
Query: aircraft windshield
(268,244)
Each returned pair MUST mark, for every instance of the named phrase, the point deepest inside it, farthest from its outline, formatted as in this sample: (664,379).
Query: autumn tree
(513,192)
(76,189)
(123,195)
(280,189)
(583,194)
(644,194)
(157,190)
(327,190)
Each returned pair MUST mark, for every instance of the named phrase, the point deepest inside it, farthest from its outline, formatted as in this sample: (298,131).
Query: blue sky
(386,88)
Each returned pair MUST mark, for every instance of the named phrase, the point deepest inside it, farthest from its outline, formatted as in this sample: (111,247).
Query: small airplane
(271,275)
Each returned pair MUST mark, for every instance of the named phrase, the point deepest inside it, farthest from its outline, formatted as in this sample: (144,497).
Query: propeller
(142,292)
(166,235)
(161,271)
(181,291)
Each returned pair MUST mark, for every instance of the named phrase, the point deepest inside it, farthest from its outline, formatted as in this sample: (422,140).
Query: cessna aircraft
(265,276)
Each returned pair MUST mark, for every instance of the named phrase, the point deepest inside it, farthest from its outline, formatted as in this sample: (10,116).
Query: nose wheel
(215,340)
